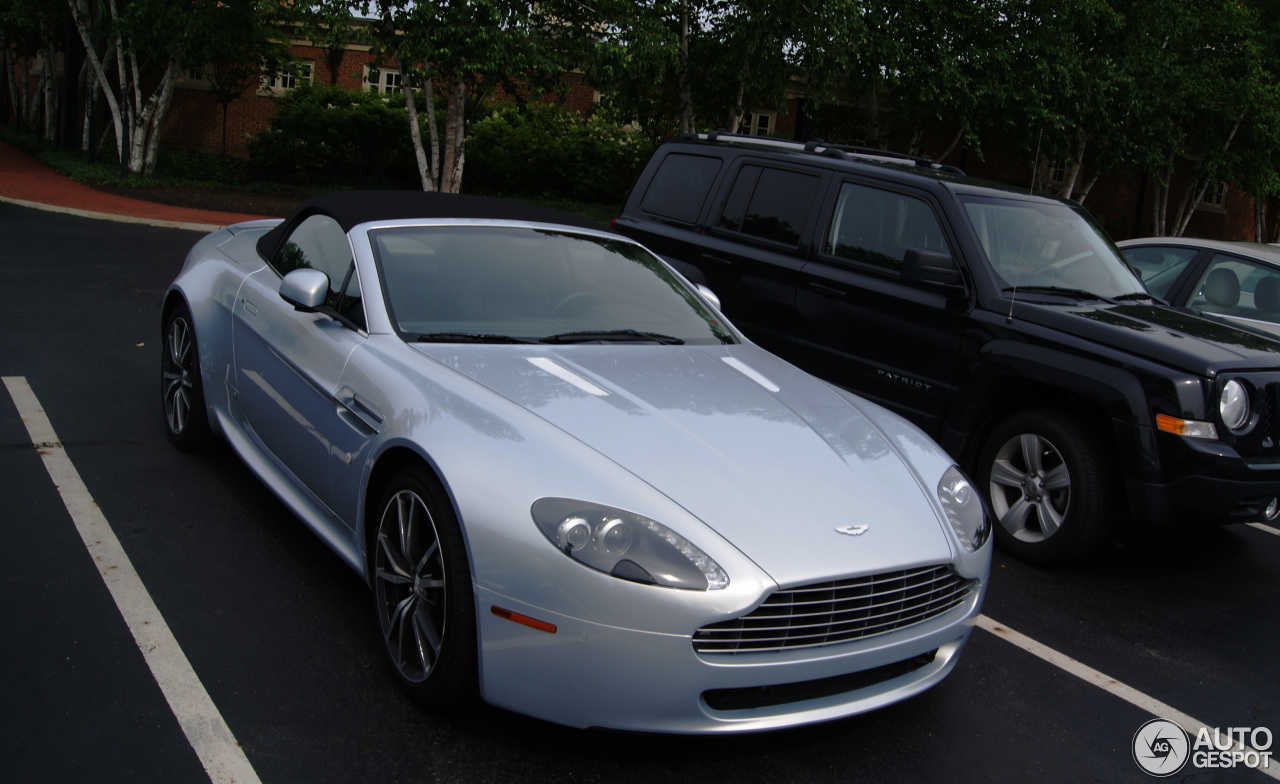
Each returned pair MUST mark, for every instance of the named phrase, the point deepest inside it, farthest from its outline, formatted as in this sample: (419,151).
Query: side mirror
(305,289)
(709,296)
(934,268)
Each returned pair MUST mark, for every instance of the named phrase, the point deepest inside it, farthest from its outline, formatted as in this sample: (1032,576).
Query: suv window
(680,187)
(320,243)
(771,204)
(878,227)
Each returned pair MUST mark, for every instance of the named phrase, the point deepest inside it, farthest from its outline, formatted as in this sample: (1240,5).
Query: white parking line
(222,757)
(1265,527)
(1108,684)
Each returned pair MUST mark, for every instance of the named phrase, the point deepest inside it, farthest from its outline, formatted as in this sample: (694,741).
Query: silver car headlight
(626,545)
(965,510)
(1233,405)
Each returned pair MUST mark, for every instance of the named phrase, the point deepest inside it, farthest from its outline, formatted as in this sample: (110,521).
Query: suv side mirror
(934,268)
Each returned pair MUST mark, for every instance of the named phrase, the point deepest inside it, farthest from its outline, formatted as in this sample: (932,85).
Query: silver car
(1236,281)
(575,490)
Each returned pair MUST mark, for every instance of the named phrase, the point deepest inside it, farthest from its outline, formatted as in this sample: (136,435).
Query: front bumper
(592,675)
(1204,483)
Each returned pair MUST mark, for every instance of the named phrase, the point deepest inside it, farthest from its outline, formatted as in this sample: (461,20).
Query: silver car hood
(772,459)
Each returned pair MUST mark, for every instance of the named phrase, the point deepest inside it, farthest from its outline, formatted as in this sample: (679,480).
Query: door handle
(830,291)
(351,406)
(723,262)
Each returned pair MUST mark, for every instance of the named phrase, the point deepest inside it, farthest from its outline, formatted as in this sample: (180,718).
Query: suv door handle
(830,291)
(717,260)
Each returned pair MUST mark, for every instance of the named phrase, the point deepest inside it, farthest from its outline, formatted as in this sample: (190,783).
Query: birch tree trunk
(686,98)
(1088,186)
(80,13)
(415,133)
(433,128)
(1203,182)
(1077,160)
(48,80)
(955,140)
(454,135)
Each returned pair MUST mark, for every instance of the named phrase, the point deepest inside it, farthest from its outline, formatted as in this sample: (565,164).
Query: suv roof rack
(820,147)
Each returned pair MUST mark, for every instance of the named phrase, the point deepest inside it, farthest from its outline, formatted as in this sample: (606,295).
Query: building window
(1215,198)
(383,80)
(279,83)
(759,123)
(1058,173)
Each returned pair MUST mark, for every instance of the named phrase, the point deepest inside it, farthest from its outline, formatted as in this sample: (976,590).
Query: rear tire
(422,592)
(181,383)
(1052,490)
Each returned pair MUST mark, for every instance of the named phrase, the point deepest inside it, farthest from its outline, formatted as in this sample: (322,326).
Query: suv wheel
(1050,491)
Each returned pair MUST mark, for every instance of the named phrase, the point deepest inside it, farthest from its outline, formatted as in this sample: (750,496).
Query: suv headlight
(626,545)
(1233,405)
(965,510)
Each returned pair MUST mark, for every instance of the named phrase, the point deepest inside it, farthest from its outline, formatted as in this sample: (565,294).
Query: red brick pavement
(24,180)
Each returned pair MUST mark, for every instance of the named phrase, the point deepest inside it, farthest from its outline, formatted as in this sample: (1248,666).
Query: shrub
(328,134)
(540,150)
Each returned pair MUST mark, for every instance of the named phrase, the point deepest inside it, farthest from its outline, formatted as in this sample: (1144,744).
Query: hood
(769,457)
(1175,337)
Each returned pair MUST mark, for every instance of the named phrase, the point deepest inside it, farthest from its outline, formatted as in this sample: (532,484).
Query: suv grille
(1263,441)
(838,611)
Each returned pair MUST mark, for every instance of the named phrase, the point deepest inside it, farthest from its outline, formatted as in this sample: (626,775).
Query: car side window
(877,227)
(771,204)
(320,243)
(680,186)
(1232,286)
(1159,266)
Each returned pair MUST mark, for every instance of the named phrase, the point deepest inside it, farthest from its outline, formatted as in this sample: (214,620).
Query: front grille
(838,611)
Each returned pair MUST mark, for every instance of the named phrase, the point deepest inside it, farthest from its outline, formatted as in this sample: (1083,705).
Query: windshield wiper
(1059,290)
(467,337)
(613,336)
(1136,296)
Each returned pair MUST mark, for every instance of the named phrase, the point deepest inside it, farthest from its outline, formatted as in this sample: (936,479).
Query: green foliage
(546,150)
(328,134)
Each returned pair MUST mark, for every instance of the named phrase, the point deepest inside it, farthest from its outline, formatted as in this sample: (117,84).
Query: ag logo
(1160,747)
(853,530)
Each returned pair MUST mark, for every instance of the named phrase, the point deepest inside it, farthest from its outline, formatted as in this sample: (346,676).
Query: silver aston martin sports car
(575,490)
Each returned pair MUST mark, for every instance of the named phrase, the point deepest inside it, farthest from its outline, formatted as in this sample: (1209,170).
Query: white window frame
(1058,172)
(1215,198)
(754,121)
(281,83)
(388,81)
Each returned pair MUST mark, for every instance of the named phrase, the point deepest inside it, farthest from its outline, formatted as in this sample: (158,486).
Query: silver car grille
(838,611)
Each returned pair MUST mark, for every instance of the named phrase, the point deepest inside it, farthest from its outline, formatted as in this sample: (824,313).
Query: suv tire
(1047,477)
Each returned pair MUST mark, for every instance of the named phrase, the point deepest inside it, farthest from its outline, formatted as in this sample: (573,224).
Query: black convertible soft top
(350,208)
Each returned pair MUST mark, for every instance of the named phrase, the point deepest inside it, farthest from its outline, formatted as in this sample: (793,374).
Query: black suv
(1005,324)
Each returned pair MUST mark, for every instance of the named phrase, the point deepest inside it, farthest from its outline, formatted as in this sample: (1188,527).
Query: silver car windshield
(507,284)
(1035,246)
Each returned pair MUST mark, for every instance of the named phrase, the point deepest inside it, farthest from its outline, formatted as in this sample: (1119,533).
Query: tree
(472,48)
(150,43)
(241,44)
(640,65)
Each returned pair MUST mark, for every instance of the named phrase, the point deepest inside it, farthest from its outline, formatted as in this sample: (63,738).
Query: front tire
(181,384)
(1048,478)
(422,592)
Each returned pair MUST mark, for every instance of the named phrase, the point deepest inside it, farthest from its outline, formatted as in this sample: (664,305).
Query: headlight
(965,510)
(1233,405)
(626,545)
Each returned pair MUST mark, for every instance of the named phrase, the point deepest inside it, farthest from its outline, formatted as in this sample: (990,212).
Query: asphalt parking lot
(277,631)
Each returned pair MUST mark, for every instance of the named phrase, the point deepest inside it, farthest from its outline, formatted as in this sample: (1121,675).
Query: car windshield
(1046,247)
(507,284)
